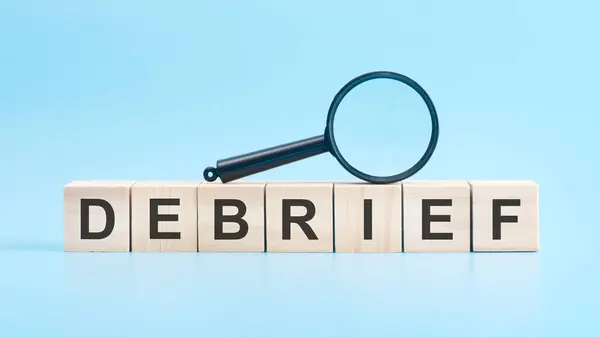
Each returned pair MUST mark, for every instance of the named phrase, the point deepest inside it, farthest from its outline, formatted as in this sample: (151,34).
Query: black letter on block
(237,218)
(498,218)
(427,219)
(155,218)
(368,219)
(85,219)
(302,221)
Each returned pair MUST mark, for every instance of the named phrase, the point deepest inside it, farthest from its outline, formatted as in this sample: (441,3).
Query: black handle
(247,164)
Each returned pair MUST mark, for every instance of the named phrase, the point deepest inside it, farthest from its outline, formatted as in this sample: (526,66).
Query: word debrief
(192,216)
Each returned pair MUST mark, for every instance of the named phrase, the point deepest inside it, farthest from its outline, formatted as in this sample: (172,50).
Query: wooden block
(96,216)
(231,217)
(299,217)
(164,216)
(505,216)
(368,218)
(436,216)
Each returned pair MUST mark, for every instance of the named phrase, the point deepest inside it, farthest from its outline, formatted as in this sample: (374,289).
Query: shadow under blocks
(248,216)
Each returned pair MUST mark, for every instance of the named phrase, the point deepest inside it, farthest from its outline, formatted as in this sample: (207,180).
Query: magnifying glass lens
(382,127)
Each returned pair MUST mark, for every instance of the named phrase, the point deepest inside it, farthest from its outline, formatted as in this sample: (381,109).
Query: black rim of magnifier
(380,179)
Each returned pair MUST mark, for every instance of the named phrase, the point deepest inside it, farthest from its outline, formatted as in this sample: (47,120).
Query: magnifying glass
(241,166)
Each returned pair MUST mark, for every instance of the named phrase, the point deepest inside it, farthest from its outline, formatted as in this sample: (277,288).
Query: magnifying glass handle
(254,162)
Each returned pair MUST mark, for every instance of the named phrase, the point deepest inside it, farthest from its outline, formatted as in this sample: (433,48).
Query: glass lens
(382,127)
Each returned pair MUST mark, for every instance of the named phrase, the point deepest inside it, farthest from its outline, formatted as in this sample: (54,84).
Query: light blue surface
(149,90)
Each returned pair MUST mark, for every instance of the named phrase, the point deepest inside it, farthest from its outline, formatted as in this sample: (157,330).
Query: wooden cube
(368,218)
(505,216)
(299,217)
(96,216)
(436,216)
(164,216)
(231,217)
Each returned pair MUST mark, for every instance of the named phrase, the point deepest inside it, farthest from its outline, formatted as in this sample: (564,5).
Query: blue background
(159,90)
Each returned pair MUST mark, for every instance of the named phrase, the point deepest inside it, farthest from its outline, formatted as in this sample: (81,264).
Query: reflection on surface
(329,293)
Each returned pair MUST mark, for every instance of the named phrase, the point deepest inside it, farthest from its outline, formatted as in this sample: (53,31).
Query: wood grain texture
(380,230)
(505,216)
(81,197)
(310,201)
(447,204)
(174,208)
